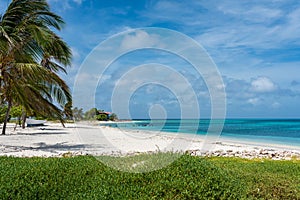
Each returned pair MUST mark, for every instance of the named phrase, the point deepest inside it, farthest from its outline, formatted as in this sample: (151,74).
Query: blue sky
(255,45)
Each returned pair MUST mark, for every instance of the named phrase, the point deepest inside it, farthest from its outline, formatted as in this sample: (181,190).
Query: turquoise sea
(273,131)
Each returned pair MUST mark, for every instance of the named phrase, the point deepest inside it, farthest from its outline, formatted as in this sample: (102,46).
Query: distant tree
(102,117)
(16,111)
(91,114)
(78,114)
(68,110)
(113,117)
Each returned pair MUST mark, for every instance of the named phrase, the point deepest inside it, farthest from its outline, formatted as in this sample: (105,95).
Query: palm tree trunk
(62,123)
(6,118)
(24,115)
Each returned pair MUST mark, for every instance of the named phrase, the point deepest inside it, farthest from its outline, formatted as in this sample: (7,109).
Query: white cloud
(246,39)
(262,14)
(64,4)
(75,53)
(251,12)
(254,101)
(276,105)
(86,77)
(263,84)
(139,39)
(241,25)
(79,2)
(259,88)
(291,30)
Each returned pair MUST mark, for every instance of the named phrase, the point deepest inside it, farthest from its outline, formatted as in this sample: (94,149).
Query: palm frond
(31,54)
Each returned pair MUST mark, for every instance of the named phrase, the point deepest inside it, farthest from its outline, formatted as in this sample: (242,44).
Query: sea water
(275,131)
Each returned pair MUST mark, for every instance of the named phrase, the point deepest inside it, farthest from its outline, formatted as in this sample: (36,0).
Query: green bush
(188,177)
(3,109)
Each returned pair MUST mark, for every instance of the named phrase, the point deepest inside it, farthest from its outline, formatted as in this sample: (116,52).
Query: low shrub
(84,177)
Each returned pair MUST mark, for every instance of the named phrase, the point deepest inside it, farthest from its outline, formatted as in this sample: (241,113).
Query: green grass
(188,177)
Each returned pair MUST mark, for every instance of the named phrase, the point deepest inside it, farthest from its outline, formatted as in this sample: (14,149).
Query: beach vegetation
(16,112)
(91,114)
(188,177)
(113,117)
(3,109)
(68,113)
(77,114)
(102,117)
(31,55)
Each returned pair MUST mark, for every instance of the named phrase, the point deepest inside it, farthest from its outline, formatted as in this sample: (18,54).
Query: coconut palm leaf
(31,54)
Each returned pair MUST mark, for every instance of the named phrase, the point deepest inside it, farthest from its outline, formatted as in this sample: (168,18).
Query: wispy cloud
(254,43)
(64,2)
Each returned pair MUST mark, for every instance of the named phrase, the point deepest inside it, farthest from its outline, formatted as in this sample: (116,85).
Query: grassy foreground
(188,177)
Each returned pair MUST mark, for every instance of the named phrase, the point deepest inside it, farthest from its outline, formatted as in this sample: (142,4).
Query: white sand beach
(52,140)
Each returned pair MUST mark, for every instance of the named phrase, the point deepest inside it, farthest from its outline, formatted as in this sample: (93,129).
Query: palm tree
(31,54)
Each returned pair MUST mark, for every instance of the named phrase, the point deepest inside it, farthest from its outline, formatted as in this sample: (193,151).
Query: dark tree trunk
(62,123)
(24,115)
(6,118)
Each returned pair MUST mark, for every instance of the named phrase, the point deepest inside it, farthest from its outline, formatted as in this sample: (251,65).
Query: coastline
(88,138)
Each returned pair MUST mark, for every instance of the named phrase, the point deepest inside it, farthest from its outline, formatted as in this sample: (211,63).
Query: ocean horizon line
(233,118)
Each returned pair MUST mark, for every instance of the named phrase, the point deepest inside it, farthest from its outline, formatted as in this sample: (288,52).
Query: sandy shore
(82,139)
